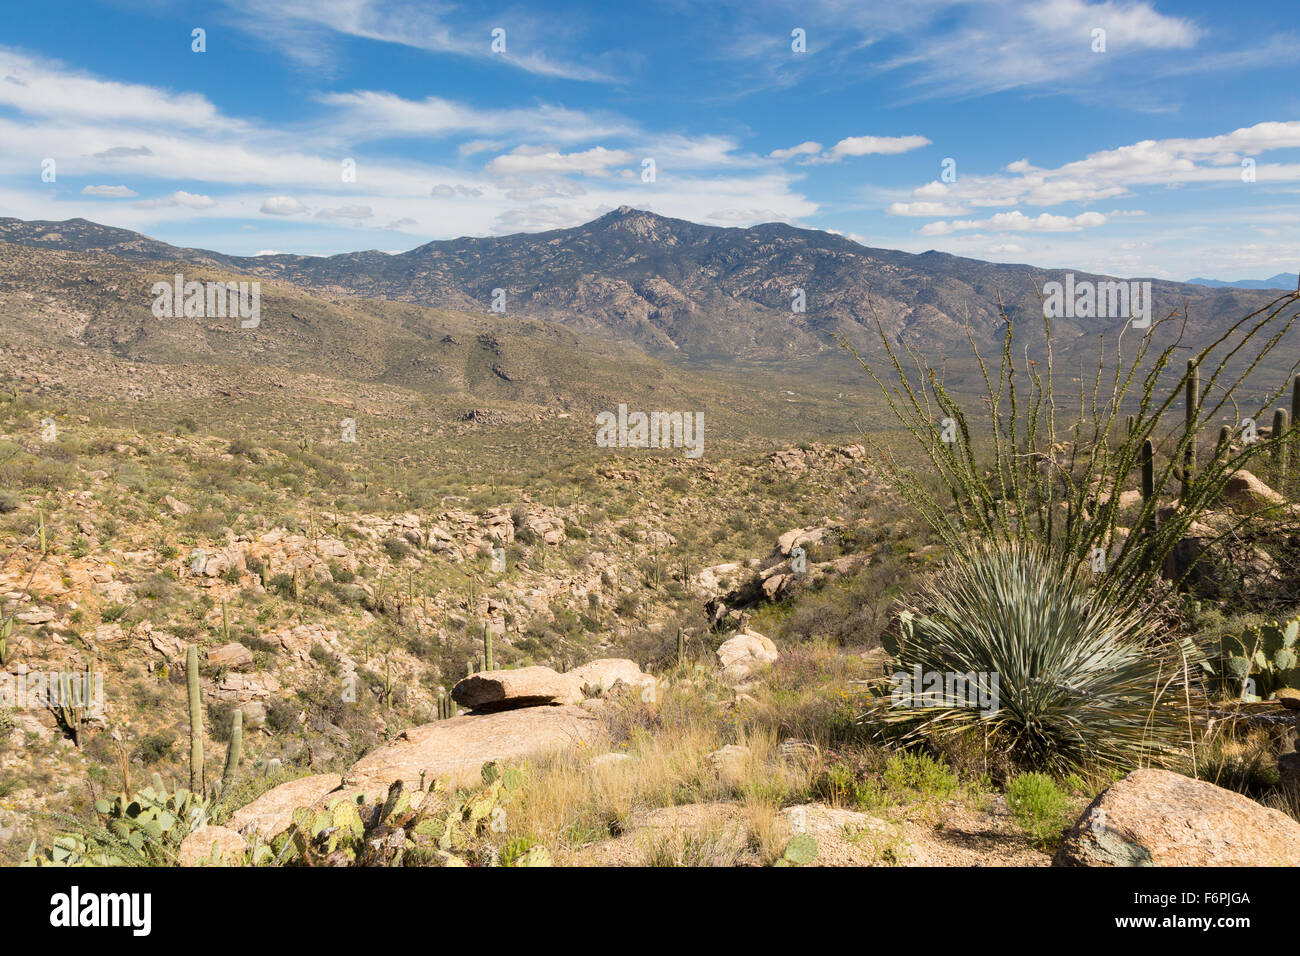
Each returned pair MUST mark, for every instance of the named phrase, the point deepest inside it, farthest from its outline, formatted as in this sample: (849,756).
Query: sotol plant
(1082,682)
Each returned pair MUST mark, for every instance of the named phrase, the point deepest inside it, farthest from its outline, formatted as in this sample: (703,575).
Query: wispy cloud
(307,31)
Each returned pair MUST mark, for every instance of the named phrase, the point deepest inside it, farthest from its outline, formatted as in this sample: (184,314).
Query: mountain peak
(639,223)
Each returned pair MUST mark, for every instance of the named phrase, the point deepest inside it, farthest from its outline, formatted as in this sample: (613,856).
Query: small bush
(1039,806)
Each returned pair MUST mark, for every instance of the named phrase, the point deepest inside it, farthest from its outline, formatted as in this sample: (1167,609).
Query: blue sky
(1127,160)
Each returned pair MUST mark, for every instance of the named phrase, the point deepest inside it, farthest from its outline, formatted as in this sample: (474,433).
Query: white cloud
(178,198)
(1017,221)
(44,88)
(926,209)
(116,192)
(444,191)
(808,148)
(302,28)
(375,114)
(346,212)
(525,160)
(851,146)
(1113,173)
(282,206)
(873,145)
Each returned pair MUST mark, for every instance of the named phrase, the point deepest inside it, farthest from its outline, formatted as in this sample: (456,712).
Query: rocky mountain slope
(687,292)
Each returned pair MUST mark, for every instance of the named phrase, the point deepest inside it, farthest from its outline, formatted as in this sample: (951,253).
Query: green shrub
(155,747)
(1039,806)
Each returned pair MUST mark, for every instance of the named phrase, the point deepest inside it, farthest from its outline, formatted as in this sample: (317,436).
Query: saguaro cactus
(1221,446)
(235,751)
(1295,399)
(1280,450)
(488,663)
(196,719)
(1148,462)
(681,646)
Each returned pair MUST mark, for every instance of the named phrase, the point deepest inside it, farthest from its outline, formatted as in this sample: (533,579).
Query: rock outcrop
(743,656)
(1159,818)
(272,812)
(212,846)
(455,750)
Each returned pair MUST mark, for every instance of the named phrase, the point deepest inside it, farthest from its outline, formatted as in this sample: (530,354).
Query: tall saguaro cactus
(1295,400)
(235,751)
(1148,462)
(196,719)
(488,663)
(1281,451)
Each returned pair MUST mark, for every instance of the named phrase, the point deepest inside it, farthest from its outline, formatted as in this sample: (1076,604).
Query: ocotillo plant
(1147,461)
(1042,456)
(488,663)
(233,754)
(1192,399)
(196,719)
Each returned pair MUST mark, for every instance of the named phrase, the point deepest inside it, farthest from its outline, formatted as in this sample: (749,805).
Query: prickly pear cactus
(1267,655)
(141,829)
(800,851)
(409,829)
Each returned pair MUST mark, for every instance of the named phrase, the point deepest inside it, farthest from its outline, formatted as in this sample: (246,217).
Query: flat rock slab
(455,750)
(272,812)
(523,687)
(1159,818)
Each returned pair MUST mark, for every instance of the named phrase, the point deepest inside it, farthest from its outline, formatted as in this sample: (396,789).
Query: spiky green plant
(141,829)
(488,662)
(1070,681)
(1051,468)
(1192,401)
(234,752)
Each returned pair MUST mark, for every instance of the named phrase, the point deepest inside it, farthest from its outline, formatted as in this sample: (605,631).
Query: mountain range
(770,296)
(1283,280)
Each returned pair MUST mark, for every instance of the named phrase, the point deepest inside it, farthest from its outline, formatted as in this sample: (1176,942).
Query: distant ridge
(771,294)
(1283,280)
